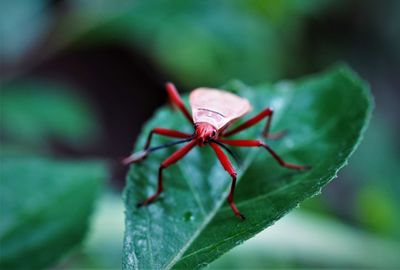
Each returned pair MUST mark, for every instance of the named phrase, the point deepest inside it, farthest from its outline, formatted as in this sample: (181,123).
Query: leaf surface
(45,208)
(35,111)
(191,224)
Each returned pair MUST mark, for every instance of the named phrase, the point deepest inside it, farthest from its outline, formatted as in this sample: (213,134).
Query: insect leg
(164,132)
(176,156)
(229,168)
(267,113)
(177,101)
(138,156)
(256,143)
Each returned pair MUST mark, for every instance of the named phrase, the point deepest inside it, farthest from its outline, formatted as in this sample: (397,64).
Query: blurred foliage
(375,165)
(305,240)
(102,246)
(46,204)
(37,111)
(45,209)
(202,42)
(376,210)
(380,170)
(201,216)
(23,23)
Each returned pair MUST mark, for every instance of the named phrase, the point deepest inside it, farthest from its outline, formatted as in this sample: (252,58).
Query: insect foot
(275,136)
(306,168)
(240,216)
(146,202)
(138,205)
(135,157)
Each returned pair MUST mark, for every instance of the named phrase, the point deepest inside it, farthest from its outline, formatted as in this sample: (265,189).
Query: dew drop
(188,216)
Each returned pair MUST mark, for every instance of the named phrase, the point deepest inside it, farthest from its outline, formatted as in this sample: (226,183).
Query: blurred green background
(79,78)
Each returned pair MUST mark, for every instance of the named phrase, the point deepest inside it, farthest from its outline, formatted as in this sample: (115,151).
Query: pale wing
(217,107)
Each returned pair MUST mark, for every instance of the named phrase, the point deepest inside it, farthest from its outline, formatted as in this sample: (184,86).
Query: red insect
(213,111)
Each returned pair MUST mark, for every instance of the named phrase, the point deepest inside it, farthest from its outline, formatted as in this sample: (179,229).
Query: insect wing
(217,107)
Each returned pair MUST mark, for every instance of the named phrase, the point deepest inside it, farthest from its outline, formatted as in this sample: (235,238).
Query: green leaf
(192,224)
(23,25)
(35,111)
(45,208)
(200,42)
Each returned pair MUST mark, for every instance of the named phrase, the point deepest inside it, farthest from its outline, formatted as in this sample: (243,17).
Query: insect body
(213,111)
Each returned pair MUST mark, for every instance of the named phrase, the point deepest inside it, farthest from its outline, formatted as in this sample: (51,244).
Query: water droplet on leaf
(188,216)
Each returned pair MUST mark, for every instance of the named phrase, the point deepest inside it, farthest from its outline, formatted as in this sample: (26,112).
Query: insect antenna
(138,156)
(169,144)
(230,152)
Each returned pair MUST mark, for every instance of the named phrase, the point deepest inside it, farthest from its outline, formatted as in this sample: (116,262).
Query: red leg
(256,143)
(165,132)
(177,155)
(138,156)
(177,101)
(229,168)
(268,112)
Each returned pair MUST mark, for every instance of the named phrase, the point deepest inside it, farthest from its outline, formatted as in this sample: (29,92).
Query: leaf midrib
(330,176)
(207,220)
(193,191)
(214,246)
(263,196)
(249,158)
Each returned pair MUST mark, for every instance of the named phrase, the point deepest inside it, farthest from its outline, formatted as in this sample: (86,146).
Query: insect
(213,112)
